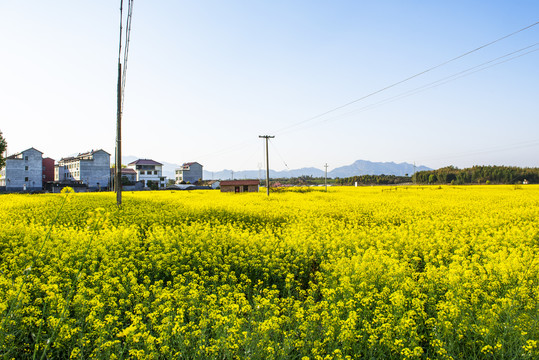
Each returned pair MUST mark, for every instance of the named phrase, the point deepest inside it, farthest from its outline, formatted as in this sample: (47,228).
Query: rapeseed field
(447,272)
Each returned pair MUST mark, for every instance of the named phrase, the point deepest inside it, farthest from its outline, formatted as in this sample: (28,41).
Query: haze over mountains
(359,167)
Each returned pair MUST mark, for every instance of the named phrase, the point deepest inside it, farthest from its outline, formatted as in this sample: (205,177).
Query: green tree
(153,185)
(3,146)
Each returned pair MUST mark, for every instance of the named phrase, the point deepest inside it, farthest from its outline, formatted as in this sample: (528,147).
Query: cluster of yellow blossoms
(354,273)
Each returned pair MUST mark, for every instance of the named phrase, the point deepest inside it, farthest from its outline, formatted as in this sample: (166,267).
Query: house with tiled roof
(240,186)
(189,172)
(148,172)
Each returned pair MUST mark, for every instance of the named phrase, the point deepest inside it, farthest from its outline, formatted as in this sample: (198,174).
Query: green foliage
(3,146)
(374,180)
(125,181)
(153,185)
(304,180)
(478,175)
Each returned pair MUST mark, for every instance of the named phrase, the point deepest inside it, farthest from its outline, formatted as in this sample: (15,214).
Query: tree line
(478,175)
(374,180)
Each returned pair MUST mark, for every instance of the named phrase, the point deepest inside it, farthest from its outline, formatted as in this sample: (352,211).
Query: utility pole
(121,85)
(118,181)
(267,160)
(326,178)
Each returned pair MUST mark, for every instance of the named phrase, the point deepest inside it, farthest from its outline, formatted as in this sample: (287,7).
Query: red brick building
(239,186)
(48,169)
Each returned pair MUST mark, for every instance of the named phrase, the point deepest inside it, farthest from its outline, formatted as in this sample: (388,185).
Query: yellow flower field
(446,272)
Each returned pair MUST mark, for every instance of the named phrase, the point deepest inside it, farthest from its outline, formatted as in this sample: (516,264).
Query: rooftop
(239,182)
(19,155)
(84,156)
(144,162)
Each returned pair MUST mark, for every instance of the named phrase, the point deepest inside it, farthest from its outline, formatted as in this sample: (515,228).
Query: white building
(23,171)
(189,172)
(149,171)
(91,168)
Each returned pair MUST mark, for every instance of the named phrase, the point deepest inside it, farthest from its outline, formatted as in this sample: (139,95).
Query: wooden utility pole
(326,178)
(267,160)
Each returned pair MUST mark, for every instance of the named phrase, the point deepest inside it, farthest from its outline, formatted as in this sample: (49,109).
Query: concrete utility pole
(267,160)
(118,181)
(326,178)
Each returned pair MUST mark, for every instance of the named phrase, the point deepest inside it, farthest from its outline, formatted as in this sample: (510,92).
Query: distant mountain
(255,174)
(360,167)
(363,167)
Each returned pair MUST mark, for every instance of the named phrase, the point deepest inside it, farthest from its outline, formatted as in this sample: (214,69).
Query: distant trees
(126,181)
(478,175)
(3,146)
(153,185)
(374,180)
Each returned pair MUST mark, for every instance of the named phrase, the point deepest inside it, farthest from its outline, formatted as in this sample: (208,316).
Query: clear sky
(206,78)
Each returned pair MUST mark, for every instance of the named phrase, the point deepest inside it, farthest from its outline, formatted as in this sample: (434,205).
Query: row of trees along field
(374,180)
(478,174)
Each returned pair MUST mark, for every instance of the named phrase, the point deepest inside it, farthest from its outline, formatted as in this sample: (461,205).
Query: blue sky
(205,78)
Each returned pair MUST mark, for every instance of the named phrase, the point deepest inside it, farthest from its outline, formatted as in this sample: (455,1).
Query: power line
(127,42)
(406,79)
(437,83)
(279,154)
(242,145)
(519,145)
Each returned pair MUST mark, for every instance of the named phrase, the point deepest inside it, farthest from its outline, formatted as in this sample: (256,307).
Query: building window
(155,172)
(26,158)
(26,179)
(26,168)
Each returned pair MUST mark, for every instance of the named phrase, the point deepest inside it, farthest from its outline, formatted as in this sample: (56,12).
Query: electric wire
(279,154)
(433,84)
(405,80)
(127,42)
(287,129)
(513,146)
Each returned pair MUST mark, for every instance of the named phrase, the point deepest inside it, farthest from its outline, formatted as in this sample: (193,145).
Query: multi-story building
(23,171)
(48,169)
(190,172)
(148,171)
(91,169)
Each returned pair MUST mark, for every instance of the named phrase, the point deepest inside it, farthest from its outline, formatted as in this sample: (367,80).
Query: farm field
(430,272)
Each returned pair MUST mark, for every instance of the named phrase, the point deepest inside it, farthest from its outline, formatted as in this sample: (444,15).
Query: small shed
(239,186)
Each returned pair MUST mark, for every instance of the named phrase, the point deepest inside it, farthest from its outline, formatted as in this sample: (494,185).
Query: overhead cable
(406,79)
